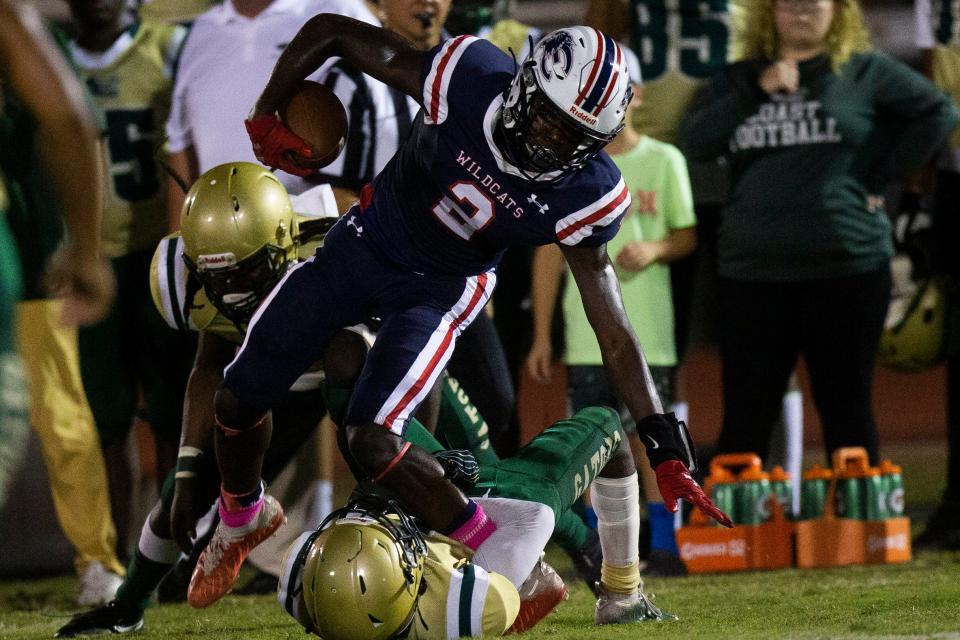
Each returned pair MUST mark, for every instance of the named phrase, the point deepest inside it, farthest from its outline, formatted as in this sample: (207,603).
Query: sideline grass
(920,599)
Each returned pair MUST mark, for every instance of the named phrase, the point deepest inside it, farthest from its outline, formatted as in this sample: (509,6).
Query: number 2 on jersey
(465,209)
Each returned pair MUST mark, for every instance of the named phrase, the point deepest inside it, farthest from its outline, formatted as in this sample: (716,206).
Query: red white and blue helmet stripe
(604,74)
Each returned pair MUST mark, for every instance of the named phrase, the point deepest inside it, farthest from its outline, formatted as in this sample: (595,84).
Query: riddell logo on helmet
(583,115)
(216,261)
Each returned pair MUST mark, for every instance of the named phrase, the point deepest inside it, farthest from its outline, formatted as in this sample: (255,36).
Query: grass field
(919,599)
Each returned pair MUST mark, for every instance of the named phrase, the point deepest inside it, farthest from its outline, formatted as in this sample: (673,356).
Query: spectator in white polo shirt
(226,61)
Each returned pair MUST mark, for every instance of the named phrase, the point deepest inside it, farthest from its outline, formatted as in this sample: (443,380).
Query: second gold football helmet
(363,573)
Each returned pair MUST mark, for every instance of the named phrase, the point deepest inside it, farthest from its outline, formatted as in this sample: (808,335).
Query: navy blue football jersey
(448,202)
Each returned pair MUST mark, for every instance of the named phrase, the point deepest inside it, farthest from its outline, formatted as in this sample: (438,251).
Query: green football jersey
(131,83)
(680,44)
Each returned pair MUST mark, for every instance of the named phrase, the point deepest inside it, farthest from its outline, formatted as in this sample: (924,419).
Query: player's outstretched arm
(37,73)
(669,447)
(603,303)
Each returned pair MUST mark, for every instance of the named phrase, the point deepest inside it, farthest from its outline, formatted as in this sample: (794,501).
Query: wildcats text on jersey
(489,183)
(450,203)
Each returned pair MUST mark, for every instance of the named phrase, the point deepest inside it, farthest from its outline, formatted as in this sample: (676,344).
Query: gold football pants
(64,423)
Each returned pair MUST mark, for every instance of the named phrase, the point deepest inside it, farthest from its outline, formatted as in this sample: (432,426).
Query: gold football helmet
(239,233)
(363,572)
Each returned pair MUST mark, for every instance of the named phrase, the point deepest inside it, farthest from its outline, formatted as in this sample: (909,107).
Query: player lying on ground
(499,156)
(239,263)
(444,595)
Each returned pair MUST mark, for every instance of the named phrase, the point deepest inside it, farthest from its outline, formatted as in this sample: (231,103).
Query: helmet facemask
(236,290)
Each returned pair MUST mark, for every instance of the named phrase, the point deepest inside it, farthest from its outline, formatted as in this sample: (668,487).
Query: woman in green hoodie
(813,124)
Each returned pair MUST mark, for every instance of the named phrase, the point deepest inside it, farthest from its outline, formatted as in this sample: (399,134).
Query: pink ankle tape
(237,517)
(475,530)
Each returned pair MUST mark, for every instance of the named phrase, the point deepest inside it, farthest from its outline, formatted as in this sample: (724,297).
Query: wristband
(666,438)
(189,460)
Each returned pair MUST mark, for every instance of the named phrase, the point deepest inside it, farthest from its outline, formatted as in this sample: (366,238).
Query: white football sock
(616,502)
(155,548)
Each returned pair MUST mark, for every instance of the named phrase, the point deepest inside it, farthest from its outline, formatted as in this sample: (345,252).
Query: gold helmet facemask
(363,572)
(238,290)
(239,234)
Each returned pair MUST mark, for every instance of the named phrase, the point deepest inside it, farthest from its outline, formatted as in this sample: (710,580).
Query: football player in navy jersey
(498,156)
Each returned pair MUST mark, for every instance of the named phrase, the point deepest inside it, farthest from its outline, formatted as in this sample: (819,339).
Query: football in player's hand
(315,114)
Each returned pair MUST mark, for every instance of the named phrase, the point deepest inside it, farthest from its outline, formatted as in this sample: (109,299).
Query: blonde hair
(847,35)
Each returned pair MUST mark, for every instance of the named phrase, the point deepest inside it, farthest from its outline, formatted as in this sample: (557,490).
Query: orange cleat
(540,594)
(219,564)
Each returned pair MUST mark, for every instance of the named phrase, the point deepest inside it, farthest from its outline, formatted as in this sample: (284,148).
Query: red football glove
(675,481)
(276,146)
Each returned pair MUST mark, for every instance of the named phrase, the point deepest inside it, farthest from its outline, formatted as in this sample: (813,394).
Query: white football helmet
(568,99)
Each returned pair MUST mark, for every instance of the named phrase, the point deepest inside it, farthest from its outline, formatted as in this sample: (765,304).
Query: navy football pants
(345,283)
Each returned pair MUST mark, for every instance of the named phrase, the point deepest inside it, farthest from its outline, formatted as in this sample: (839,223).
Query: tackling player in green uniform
(437,588)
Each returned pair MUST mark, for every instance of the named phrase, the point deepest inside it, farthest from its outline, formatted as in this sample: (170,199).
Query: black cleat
(113,617)
(942,531)
(587,561)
